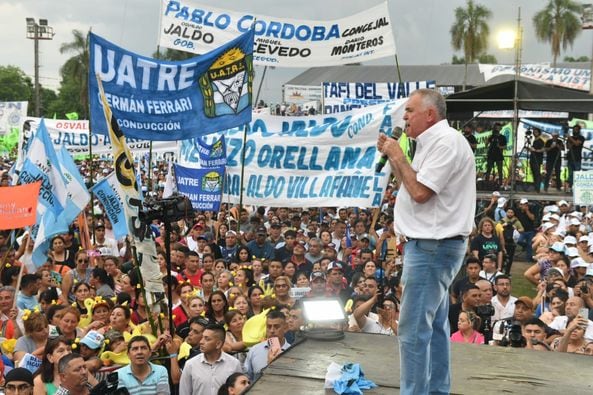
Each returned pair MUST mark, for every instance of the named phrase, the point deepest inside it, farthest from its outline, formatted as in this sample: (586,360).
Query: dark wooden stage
(476,369)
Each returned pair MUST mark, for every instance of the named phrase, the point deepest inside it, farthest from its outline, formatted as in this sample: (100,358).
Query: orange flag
(18,205)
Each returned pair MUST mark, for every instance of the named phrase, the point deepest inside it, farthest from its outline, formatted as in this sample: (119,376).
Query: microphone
(395,134)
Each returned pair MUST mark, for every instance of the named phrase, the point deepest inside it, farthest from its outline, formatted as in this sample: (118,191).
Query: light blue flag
(41,163)
(78,195)
(112,198)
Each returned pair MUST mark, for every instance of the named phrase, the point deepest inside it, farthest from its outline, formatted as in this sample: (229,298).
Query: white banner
(301,94)
(74,135)
(346,96)
(193,27)
(583,188)
(308,161)
(12,114)
(559,76)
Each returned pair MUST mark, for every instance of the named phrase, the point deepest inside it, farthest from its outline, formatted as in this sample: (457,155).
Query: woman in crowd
(282,287)
(82,291)
(538,271)
(185,290)
(217,306)
(48,284)
(68,325)
(358,283)
(242,256)
(243,279)
(139,309)
(468,324)
(369,269)
(219,267)
(241,304)
(302,280)
(111,264)
(36,334)
(207,285)
(60,254)
(196,307)
(486,241)
(224,280)
(326,237)
(103,283)
(258,270)
(81,274)
(573,340)
(289,270)
(543,240)
(255,296)
(220,234)
(234,336)
(47,377)
(120,319)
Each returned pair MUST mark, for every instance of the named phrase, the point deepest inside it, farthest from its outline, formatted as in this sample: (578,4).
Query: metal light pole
(518,45)
(38,32)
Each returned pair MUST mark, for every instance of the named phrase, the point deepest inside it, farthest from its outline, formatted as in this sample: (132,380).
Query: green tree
(470,32)
(570,59)
(559,24)
(15,85)
(75,72)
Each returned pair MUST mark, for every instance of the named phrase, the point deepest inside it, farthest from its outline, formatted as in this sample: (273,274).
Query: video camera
(109,386)
(509,333)
(485,312)
(172,209)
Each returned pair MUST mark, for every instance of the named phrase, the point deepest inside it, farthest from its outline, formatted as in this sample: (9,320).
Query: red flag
(18,205)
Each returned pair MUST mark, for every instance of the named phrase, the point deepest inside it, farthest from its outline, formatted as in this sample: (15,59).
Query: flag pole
(260,84)
(242,176)
(90,189)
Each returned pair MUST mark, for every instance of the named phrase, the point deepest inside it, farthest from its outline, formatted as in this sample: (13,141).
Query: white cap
(570,240)
(523,201)
(558,247)
(574,221)
(546,217)
(555,216)
(578,262)
(589,271)
(553,209)
(572,252)
(496,193)
(562,203)
(560,232)
(501,202)
(584,238)
(547,226)
(575,214)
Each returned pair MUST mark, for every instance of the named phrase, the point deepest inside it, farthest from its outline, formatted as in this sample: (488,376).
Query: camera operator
(470,299)
(509,331)
(574,157)
(554,148)
(496,145)
(536,158)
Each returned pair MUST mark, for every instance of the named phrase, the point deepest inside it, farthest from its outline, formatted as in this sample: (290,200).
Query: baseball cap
(523,201)
(197,226)
(100,225)
(261,230)
(317,275)
(334,265)
(364,236)
(578,262)
(496,193)
(547,225)
(501,202)
(558,247)
(275,225)
(572,252)
(230,233)
(526,301)
(570,240)
(93,340)
(562,203)
(574,221)
(555,216)
(555,271)
(584,238)
(330,245)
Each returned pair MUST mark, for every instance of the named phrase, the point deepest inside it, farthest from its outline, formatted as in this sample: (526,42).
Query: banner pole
(242,176)
(90,189)
(399,75)
(260,84)
(149,168)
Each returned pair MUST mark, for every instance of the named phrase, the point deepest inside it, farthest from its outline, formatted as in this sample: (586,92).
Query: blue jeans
(424,334)
(525,240)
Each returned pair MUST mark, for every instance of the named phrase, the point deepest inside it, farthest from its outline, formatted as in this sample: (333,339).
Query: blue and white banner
(78,195)
(161,100)
(189,26)
(560,76)
(212,155)
(42,164)
(111,196)
(346,96)
(308,161)
(12,114)
(202,186)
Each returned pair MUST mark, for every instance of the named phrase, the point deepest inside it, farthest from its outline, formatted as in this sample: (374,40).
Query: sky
(420,27)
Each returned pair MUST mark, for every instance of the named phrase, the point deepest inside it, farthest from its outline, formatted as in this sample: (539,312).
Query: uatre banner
(160,100)
(282,42)
(12,114)
(74,136)
(559,76)
(346,96)
(308,161)
(202,186)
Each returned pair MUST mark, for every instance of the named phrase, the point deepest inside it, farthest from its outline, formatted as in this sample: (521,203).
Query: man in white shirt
(572,307)
(503,302)
(206,372)
(435,210)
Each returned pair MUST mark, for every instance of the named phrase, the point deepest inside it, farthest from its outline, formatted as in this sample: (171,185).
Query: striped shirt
(156,383)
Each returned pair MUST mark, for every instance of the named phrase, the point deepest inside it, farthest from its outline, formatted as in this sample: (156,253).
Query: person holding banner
(435,210)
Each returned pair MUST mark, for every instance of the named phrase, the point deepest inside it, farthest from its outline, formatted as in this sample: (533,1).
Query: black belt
(458,238)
